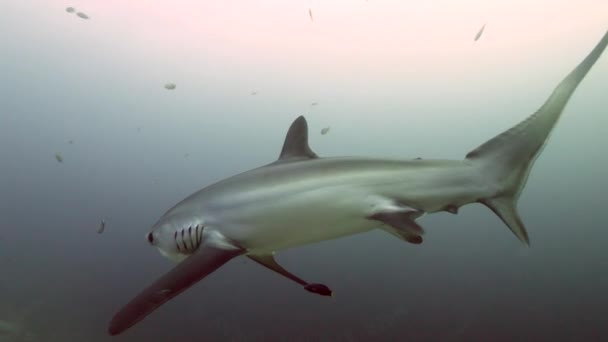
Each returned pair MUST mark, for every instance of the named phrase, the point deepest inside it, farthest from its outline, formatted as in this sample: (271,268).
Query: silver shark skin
(302,199)
(300,202)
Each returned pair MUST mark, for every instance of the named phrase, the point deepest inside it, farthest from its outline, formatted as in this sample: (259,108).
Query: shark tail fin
(506,160)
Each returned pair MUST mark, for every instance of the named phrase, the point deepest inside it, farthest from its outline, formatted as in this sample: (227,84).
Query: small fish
(314,104)
(478,35)
(70,9)
(254,93)
(310,14)
(170,86)
(71,142)
(102,227)
(82,15)
(138,129)
(59,157)
(186,155)
(325,130)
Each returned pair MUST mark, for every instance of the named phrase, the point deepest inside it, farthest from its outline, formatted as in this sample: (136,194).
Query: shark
(302,198)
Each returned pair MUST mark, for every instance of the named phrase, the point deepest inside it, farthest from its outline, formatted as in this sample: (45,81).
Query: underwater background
(119,113)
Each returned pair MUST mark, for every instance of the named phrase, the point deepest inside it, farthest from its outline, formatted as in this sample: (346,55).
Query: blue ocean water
(90,131)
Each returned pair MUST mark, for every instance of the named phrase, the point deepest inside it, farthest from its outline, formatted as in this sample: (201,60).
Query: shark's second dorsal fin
(296,146)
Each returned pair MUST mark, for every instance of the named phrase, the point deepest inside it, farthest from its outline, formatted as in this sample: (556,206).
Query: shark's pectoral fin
(210,255)
(401,224)
(268,261)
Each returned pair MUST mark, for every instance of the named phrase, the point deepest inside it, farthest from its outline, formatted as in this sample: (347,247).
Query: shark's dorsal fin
(296,146)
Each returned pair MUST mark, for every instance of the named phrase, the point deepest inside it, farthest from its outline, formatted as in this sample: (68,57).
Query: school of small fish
(80,14)
(170,86)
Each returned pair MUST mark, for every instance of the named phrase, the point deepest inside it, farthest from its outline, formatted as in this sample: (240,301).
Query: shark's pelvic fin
(506,160)
(268,261)
(404,235)
(210,255)
(296,146)
(401,222)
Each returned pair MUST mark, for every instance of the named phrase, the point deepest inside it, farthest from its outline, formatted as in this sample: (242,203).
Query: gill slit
(190,242)
(176,243)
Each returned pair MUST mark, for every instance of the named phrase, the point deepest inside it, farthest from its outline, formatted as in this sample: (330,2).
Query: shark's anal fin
(401,224)
(208,257)
(268,261)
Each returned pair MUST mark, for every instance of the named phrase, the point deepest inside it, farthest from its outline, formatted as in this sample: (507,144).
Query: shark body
(301,199)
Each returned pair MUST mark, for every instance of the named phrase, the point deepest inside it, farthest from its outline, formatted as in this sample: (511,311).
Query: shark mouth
(188,239)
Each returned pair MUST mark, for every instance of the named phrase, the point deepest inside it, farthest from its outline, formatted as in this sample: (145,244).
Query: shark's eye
(150,238)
